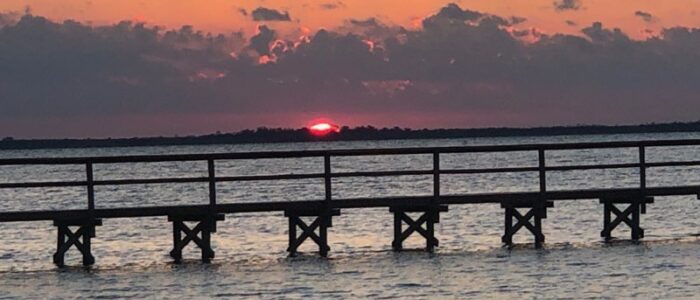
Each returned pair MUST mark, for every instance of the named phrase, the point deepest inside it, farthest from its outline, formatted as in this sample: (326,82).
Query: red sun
(321,128)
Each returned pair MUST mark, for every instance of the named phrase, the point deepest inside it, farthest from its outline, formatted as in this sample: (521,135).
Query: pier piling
(630,215)
(200,234)
(80,238)
(429,216)
(322,221)
(536,211)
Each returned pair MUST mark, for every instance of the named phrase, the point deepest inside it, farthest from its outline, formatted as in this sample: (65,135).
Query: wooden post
(540,207)
(292,248)
(507,237)
(642,170)
(430,242)
(636,230)
(212,183)
(176,253)
(323,247)
(542,170)
(58,258)
(397,243)
(606,233)
(327,177)
(436,175)
(434,212)
(90,187)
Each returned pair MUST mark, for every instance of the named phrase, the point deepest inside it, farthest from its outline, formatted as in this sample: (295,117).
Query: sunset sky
(117,68)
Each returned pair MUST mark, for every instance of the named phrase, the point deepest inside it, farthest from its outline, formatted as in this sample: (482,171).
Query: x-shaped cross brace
(415,226)
(629,216)
(308,231)
(322,220)
(191,235)
(67,238)
(200,234)
(524,221)
(430,214)
(536,212)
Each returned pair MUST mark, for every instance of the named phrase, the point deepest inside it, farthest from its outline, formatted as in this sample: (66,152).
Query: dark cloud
(243,12)
(268,14)
(460,70)
(563,5)
(454,16)
(598,34)
(517,20)
(261,41)
(453,12)
(332,5)
(370,28)
(9,18)
(647,17)
(521,33)
(369,22)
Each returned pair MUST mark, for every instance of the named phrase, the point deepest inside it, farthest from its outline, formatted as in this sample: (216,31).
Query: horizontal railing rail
(541,167)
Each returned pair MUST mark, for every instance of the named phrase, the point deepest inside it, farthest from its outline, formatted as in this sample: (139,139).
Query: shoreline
(363,133)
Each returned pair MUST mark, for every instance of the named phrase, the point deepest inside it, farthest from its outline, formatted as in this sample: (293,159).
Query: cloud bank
(462,68)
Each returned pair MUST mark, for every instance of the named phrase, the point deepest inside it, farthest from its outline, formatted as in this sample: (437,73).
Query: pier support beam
(80,238)
(322,220)
(630,215)
(536,211)
(430,215)
(200,234)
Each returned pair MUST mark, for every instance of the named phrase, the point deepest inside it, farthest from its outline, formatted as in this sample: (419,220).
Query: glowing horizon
(308,17)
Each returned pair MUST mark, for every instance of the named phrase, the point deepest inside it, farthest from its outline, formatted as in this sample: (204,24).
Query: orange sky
(224,15)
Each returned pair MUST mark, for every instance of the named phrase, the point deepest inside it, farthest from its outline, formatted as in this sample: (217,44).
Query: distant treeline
(283,135)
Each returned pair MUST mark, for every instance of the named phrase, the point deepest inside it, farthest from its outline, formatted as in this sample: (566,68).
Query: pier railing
(538,200)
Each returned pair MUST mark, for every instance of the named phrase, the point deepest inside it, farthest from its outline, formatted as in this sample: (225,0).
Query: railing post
(542,170)
(90,187)
(212,183)
(541,205)
(436,175)
(642,169)
(643,178)
(327,177)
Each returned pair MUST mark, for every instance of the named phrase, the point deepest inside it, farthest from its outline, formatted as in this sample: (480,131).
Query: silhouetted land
(283,135)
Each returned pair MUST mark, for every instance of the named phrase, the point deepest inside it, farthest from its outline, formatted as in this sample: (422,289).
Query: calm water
(132,254)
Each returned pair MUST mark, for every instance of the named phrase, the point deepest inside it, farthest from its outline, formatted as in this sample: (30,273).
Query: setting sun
(323,128)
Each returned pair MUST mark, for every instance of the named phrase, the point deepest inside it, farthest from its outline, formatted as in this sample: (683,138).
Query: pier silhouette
(195,224)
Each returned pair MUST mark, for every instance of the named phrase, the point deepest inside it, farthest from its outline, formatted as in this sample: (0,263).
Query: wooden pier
(521,209)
